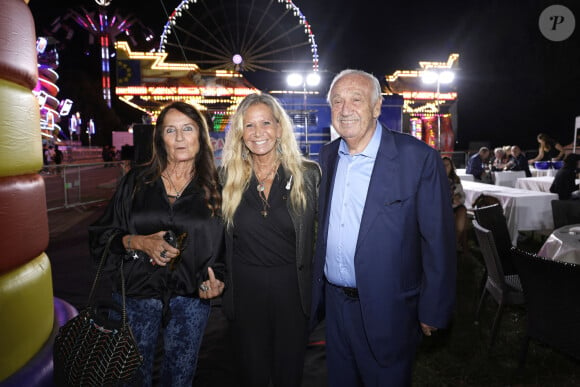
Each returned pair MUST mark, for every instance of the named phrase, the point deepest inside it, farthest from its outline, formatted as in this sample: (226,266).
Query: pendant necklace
(262,182)
(178,192)
(265,204)
(261,187)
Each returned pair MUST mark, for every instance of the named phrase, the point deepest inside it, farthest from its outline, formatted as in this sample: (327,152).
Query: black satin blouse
(146,211)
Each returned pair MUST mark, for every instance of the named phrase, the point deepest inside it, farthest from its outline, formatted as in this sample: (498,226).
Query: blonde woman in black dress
(269,206)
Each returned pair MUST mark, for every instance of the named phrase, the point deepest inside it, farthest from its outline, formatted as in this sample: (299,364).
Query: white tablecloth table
(504,178)
(540,183)
(524,210)
(563,244)
(507,178)
(542,172)
(460,172)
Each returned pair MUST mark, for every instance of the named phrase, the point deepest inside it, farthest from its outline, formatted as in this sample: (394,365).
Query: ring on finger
(163,254)
(204,287)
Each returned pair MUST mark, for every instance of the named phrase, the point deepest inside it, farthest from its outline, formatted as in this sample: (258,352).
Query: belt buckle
(350,292)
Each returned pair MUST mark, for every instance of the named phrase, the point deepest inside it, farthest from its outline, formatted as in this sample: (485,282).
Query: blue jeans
(181,337)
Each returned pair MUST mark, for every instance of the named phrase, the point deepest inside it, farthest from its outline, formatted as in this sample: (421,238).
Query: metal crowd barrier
(70,185)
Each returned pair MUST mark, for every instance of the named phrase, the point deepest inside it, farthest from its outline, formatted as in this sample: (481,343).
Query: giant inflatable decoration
(29,315)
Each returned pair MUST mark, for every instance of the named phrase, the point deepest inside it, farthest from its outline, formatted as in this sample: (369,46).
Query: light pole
(439,77)
(311,80)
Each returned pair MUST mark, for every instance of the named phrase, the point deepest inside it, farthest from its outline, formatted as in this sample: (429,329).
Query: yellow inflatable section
(26,299)
(17,44)
(26,306)
(20,140)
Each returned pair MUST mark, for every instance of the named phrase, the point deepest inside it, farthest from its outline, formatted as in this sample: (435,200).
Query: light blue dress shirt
(349,193)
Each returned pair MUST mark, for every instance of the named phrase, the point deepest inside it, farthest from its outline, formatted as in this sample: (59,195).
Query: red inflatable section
(18,61)
(24,220)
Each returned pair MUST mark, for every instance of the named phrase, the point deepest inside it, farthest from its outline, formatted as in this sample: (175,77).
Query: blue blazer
(405,259)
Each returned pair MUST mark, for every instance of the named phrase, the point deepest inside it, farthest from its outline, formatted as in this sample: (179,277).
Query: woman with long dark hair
(166,215)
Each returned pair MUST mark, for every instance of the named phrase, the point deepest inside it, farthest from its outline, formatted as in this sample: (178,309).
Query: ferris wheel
(241,35)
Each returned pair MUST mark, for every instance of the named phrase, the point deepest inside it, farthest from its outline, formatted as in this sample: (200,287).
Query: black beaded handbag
(93,350)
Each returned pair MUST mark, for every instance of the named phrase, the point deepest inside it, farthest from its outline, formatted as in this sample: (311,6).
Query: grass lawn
(461,356)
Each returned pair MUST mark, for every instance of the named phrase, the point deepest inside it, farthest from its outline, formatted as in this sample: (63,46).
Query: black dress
(270,329)
(551,153)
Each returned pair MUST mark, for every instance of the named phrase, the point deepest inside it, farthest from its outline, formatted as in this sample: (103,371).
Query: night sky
(513,82)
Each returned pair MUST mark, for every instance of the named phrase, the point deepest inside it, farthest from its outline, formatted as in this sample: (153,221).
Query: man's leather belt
(349,292)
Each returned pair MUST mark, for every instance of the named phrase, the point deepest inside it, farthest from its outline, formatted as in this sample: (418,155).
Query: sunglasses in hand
(177,241)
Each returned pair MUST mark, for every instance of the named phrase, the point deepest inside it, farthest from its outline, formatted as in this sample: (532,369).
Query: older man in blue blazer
(385,262)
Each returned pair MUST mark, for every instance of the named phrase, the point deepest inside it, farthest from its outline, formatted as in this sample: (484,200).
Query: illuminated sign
(429,95)
(65,107)
(184,91)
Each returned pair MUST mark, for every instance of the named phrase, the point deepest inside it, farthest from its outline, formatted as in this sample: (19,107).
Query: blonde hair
(238,169)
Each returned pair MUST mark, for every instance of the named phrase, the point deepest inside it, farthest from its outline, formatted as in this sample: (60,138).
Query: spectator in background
(106,155)
(113,152)
(48,158)
(45,158)
(508,151)
(549,150)
(49,155)
(476,165)
(458,204)
(57,158)
(518,161)
(564,183)
(500,159)
(44,149)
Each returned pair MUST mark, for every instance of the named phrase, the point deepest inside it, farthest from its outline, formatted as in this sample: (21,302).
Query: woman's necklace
(178,192)
(261,187)
(265,204)
(262,182)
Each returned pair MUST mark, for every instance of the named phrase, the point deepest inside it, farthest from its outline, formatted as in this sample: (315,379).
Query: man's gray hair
(374,81)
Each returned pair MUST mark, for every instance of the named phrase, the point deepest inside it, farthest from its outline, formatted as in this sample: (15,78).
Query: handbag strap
(98,277)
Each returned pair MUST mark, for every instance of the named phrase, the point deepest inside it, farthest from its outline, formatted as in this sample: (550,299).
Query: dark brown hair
(203,165)
(452,174)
